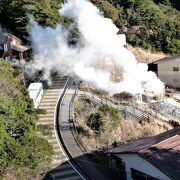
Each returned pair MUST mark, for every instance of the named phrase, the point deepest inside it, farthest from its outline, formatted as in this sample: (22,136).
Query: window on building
(175,69)
(138,175)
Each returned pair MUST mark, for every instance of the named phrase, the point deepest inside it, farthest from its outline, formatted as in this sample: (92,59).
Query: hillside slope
(22,151)
(159,22)
(159,19)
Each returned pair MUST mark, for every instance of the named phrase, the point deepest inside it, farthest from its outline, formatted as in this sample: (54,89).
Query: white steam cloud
(98,48)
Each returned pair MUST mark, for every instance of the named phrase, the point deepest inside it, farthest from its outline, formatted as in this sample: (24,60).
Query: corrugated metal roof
(143,143)
(172,58)
(170,143)
(162,151)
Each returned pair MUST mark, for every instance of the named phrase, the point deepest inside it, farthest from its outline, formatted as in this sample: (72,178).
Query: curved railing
(57,127)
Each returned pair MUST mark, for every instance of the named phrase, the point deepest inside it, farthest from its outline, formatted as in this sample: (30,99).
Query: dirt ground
(126,130)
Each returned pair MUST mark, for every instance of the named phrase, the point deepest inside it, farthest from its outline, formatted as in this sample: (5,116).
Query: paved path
(60,168)
(65,128)
(65,117)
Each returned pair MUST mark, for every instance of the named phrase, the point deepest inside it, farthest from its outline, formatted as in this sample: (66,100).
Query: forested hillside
(15,14)
(159,19)
(20,147)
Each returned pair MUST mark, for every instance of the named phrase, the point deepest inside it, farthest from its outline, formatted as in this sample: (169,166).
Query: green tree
(38,152)
(174,46)
(20,146)
(95,122)
(106,119)
(160,20)
(14,14)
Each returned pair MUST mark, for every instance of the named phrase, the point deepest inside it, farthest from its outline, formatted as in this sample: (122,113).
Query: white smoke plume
(98,48)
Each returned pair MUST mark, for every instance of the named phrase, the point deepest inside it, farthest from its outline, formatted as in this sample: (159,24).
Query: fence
(73,126)
(131,112)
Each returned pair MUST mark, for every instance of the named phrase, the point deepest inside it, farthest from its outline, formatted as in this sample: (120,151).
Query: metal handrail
(139,113)
(74,130)
(57,127)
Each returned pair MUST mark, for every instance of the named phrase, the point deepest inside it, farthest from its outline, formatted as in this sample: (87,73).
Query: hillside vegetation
(102,126)
(159,22)
(20,147)
(15,14)
(159,19)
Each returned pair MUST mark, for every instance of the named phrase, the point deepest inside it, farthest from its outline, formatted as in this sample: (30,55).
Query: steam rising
(98,49)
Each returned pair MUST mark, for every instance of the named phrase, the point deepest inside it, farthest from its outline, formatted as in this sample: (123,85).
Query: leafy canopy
(19,144)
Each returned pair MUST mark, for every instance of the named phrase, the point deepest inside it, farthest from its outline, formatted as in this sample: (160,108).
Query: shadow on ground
(89,166)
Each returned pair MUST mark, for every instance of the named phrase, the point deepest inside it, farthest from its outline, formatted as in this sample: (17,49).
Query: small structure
(168,70)
(36,93)
(131,30)
(11,48)
(156,157)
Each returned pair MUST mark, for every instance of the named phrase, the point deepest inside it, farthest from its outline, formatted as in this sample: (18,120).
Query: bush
(19,144)
(113,113)
(95,122)
(106,119)
(174,46)
(38,152)
(46,130)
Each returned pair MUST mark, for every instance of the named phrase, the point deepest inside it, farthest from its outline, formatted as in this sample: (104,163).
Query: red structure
(11,48)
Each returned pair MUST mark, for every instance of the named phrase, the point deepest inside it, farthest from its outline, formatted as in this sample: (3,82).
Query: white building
(36,93)
(155,158)
(168,70)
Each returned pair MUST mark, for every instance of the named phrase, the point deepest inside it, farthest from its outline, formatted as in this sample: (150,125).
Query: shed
(35,93)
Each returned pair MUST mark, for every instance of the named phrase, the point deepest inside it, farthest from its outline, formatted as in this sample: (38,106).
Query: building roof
(20,48)
(175,58)
(162,151)
(4,36)
(167,160)
(143,143)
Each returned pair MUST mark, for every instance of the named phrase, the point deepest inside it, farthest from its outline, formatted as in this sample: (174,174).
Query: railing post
(125,113)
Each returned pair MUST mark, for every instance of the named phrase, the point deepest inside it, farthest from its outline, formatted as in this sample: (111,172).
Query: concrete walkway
(84,162)
(60,168)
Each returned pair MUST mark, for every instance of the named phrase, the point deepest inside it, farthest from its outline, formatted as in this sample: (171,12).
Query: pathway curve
(75,151)
(60,168)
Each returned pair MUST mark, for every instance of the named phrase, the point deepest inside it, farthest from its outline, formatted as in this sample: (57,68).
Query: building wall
(36,93)
(166,73)
(140,164)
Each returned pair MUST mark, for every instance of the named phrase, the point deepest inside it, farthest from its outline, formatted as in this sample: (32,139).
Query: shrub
(95,122)
(46,130)
(20,147)
(106,119)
